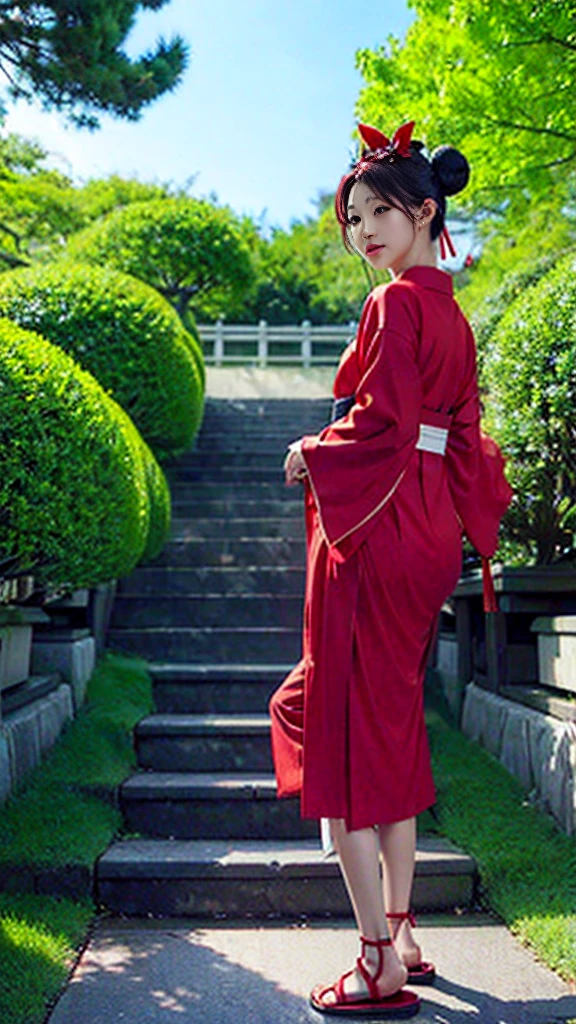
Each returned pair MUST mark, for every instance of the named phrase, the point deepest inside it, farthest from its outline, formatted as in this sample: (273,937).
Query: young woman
(391,485)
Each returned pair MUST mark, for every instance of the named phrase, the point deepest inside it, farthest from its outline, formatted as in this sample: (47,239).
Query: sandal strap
(371,979)
(338,989)
(402,915)
(376,942)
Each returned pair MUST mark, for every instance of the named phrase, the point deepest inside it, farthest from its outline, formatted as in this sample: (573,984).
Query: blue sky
(263,117)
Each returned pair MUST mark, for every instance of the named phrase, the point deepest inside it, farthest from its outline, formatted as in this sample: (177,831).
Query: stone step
(214,579)
(239,440)
(285,427)
(271,457)
(208,688)
(186,643)
(241,474)
(134,611)
(211,743)
(236,505)
(266,415)
(255,551)
(203,805)
(223,490)
(200,528)
(261,879)
(260,405)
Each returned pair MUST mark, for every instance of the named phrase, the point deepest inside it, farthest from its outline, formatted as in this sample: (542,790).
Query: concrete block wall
(538,749)
(28,733)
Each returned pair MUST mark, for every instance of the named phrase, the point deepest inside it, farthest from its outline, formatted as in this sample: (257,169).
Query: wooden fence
(263,343)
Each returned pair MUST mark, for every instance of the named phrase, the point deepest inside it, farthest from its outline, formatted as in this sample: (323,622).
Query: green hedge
(125,334)
(160,500)
(531,365)
(197,255)
(76,477)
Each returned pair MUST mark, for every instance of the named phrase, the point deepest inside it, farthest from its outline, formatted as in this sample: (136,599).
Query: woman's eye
(382,208)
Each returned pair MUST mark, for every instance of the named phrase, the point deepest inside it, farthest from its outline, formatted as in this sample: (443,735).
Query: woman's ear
(427,212)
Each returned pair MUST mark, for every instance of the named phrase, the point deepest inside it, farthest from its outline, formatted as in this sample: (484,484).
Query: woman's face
(388,231)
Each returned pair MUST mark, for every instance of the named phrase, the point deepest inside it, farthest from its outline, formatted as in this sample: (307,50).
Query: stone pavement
(164,971)
(270,381)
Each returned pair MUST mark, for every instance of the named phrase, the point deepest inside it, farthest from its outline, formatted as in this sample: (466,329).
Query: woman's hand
(294,464)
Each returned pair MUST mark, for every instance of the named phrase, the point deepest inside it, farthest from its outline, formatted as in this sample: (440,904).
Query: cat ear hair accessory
(378,146)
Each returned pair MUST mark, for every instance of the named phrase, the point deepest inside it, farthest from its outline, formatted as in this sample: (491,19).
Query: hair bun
(452,169)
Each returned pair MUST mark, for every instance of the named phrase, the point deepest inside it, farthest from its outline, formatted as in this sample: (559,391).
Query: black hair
(408,181)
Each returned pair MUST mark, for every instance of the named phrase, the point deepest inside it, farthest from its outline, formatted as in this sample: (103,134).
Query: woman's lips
(374,249)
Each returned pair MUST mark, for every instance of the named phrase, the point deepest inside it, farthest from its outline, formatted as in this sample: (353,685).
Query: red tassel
(442,247)
(446,235)
(490,604)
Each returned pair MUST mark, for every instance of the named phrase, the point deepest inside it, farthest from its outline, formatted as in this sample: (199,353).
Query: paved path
(269,381)
(172,972)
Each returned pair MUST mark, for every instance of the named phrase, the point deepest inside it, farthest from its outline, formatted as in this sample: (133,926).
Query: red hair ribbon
(489,594)
(379,145)
(446,240)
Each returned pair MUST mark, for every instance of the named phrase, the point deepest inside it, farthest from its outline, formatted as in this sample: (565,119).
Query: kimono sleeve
(475,467)
(355,464)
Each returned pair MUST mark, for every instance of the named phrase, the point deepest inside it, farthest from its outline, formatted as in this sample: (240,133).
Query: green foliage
(305,273)
(73,488)
(38,207)
(100,196)
(40,939)
(160,500)
(496,81)
(516,253)
(531,365)
(70,56)
(192,252)
(123,333)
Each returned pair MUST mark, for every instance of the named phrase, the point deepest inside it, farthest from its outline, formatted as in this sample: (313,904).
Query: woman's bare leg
(398,845)
(360,863)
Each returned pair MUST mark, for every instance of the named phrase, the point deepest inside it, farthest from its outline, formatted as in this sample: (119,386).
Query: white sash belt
(432,439)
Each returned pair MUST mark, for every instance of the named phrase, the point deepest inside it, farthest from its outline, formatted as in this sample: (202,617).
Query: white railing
(263,343)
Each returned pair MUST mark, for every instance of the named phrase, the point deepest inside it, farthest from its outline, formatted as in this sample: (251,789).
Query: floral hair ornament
(379,147)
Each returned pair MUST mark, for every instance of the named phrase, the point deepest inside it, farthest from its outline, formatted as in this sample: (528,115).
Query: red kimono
(384,525)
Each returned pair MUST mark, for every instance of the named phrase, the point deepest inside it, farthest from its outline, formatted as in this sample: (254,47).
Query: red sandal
(422,973)
(402,1003)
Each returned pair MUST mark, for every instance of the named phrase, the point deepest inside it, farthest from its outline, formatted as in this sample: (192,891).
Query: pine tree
(69,54)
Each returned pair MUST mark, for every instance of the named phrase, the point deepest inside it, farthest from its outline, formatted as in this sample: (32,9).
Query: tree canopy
(189,250)
(70,56)
(496,80)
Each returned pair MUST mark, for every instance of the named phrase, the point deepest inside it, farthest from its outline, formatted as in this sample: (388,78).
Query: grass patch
(527,864)
(40,939)
(63,815)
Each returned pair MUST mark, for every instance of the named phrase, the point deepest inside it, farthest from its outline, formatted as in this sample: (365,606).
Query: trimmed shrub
(75,473)
(125,334)
(485,320)
(196,254)
(160,506)
(531,365)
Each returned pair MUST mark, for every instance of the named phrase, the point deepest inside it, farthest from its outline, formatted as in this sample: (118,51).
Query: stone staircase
(218,615)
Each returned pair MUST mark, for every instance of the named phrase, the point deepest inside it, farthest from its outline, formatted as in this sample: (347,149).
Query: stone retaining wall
(539,750)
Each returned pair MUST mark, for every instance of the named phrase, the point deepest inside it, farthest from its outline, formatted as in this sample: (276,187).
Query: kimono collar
(428,277)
